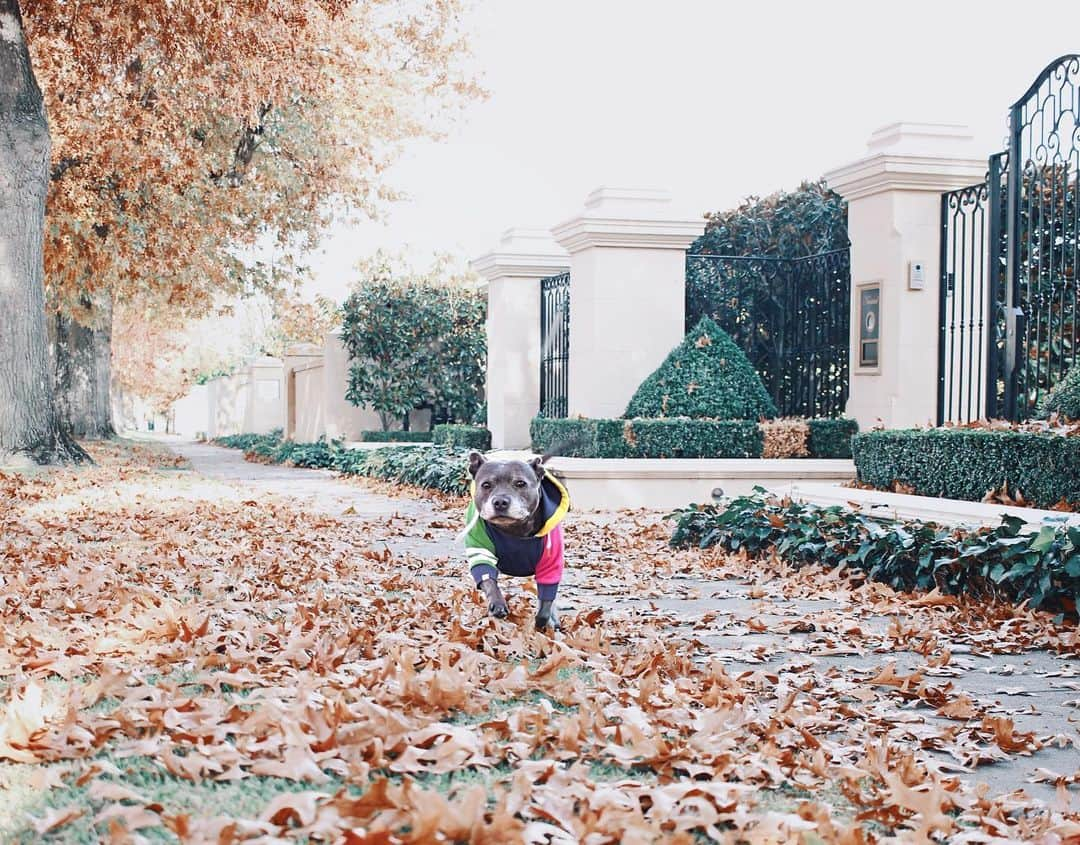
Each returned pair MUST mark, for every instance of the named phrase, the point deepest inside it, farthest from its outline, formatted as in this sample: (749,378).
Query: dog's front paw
(546,616)
(497,605)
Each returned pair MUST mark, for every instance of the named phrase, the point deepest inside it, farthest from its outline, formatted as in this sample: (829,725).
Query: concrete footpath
(731,619)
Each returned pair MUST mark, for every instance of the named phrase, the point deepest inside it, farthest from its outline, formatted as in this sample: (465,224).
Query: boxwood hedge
(395,437)
(960,463)
(676,438)
(463,436)
(647,438)
(831,438)
(1064,399)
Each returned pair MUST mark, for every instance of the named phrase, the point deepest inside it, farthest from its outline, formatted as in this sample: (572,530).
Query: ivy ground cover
(185,659)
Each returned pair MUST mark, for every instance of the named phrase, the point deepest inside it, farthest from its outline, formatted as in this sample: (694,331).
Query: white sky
(712,100)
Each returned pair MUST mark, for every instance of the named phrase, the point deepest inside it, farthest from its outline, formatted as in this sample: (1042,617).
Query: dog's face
(507,492)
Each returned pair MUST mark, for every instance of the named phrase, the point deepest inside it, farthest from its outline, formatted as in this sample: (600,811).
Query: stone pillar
(627,293)
(513,271)
(894,222)
(263,411)
(296,355)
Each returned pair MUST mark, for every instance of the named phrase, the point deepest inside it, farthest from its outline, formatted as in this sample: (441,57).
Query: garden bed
(1041,568)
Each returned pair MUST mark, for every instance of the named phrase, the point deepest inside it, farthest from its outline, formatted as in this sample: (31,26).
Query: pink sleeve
(549,569)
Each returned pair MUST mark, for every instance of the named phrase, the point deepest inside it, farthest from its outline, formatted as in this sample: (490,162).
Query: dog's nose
(501,503)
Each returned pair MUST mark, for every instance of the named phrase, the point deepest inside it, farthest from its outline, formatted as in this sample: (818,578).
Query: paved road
(1038,690)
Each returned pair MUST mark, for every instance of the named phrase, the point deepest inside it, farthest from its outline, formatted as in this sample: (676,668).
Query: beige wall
(314,405)
(227,399)
(298,355)
(247,402)
(266,383)
(191,413)
(343,419)
(310,407)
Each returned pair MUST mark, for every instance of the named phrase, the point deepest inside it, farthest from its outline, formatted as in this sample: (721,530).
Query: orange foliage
(185,135)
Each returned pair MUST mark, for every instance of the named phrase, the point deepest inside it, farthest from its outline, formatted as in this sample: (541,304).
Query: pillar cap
(525,253)
(629,217)
(910,156)
(303,349)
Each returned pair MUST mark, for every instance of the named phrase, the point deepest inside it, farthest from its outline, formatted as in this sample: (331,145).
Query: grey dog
(512,527)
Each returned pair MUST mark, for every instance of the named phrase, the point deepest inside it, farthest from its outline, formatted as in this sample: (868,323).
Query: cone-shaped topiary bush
(706,375)
(1064,399)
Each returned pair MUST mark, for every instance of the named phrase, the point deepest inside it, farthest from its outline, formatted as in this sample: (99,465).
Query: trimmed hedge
(1042,568)
(395,437)
(462,436)
(705,376)
(959,463)
(831,438)
(676,438)
(1064,399)
(443,468)
(660,438)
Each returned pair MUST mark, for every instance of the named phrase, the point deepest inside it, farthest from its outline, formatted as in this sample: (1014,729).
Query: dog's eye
(486,485)
(520,484)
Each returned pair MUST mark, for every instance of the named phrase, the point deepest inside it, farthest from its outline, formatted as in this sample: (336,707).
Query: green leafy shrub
(831,438)
(442,468)
(1064,399)
(705,376)
(415,341)
(654,438)
(959,463)
(1042,568)
(462,436)
(248,442)
(395,436)
(318,455)
(787,224)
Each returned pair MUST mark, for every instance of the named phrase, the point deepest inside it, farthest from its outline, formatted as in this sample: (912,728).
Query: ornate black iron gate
(1010,251)
(789,315)
(554,344)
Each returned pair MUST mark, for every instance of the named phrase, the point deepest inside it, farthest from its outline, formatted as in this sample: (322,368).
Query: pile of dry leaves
(151,619)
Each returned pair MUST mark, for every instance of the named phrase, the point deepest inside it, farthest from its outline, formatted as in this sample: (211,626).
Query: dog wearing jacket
(513,527)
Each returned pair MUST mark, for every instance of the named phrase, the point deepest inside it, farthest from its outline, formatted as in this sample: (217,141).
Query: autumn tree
(28,418)
(186,135)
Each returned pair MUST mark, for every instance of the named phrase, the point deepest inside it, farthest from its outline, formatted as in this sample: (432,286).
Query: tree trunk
(28,420)
(83,356)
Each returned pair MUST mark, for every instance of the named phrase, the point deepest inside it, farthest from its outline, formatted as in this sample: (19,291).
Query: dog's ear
(475,462)
(537,465)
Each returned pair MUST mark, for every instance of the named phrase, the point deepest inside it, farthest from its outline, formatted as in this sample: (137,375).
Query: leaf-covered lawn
(185,660)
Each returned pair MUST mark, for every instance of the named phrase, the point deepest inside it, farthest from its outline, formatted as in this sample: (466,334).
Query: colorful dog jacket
(491,551)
